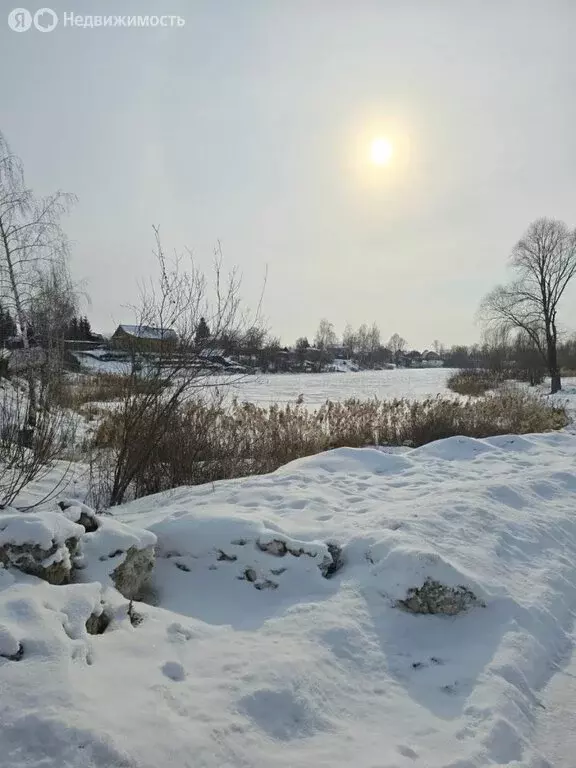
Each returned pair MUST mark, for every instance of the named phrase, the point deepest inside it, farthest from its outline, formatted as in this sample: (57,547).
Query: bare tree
(397,344)
(373,343)
(496,351)
(302,343)
(544,261)
(350,340)
(437,346)
(53,305)
(30,236)
(325,335)
(254,341)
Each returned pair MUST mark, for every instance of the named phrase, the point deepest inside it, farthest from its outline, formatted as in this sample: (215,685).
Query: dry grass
(203,443)
(103,388)
(474,382)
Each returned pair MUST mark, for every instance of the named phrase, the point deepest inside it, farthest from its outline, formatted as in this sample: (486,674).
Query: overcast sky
(252,125)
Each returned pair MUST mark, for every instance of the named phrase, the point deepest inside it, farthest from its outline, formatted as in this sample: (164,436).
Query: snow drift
(280,633)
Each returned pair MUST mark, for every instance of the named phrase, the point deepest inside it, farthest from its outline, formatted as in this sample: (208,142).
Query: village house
(431,359)
(143,337)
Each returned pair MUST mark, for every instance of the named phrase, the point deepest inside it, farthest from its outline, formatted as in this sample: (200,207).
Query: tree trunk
(553,370)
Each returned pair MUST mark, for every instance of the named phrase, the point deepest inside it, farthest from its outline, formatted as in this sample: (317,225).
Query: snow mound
(349,460)
(278,635)
(233,555)
(455,448)
(405,568)
(42,530)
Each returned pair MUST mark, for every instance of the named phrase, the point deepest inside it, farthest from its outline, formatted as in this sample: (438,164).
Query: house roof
(148,332)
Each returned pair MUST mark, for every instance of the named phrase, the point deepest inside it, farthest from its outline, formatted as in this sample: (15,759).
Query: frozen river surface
(317,388)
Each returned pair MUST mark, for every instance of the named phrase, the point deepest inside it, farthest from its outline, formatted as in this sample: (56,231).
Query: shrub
(204,442)
(28,453)
(474,381)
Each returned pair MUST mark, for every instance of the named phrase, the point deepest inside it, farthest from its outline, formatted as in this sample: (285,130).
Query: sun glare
(381,151)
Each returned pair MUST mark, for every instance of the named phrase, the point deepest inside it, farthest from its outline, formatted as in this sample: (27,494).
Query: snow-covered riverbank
(278,636)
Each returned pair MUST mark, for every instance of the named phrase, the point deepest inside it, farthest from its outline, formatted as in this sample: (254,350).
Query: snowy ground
(251,657)
(556,726)
(414,384)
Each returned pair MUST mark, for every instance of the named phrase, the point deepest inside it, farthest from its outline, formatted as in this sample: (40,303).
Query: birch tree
(30,236)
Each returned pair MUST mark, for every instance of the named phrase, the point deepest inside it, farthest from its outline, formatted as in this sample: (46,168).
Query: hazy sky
(252,125)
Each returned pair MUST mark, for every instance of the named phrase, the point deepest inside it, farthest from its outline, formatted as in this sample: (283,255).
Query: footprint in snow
(298,504)
(422,664)
(407,752)
(174,671)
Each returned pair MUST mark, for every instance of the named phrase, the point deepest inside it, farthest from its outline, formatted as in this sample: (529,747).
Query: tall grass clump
(80,390)
(204,442)
(474,382)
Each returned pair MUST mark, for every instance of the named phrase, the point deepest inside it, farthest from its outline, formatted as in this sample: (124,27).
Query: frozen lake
(316,388)
(417,383)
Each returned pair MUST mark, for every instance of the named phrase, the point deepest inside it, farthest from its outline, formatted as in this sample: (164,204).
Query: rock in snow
(49,544)
(131,576)
(436,598)
(41,545)
(118,555)
(79,513)
(295,617)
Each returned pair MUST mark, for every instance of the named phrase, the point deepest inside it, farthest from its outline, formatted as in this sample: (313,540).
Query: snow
(149,332)
(344,366)
(43,530)
(95,365)
(556,726)
(73,510)
(61,478)
(316,388)
(251,657)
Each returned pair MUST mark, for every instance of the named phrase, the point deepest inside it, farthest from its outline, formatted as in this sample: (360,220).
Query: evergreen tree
(80,329)
(202,332)
(86,329)
(73,332)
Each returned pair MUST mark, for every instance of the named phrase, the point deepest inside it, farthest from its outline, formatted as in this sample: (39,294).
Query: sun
(381,151)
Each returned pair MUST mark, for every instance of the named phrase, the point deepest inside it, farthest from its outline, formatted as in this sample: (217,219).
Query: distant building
(143,337)
(415,359)
(431,359)
(412,359)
